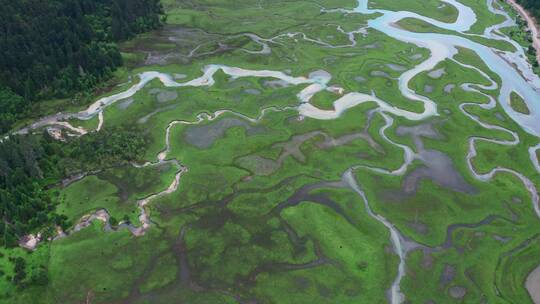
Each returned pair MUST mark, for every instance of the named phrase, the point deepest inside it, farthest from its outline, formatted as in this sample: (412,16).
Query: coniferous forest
(532,6)
(51,49)
(30,164)
(269,151)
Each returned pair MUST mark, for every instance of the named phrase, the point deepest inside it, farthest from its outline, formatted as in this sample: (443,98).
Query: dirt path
(531,24)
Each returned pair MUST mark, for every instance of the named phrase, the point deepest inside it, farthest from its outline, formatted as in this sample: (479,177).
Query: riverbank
(432,205)
(532,24)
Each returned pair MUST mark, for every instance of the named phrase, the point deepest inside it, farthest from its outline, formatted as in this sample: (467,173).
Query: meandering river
(512,67)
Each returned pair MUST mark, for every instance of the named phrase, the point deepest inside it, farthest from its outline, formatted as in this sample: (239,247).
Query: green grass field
(260,216)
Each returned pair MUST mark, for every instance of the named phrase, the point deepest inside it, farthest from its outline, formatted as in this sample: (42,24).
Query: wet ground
(203,136)
(437,166)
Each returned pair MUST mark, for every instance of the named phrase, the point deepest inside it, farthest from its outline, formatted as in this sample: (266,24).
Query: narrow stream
(444,47)
(395,296)
(515,71)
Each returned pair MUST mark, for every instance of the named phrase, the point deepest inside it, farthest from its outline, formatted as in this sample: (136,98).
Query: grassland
(431,8)
(419,26)
(517,103)
(261,215)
